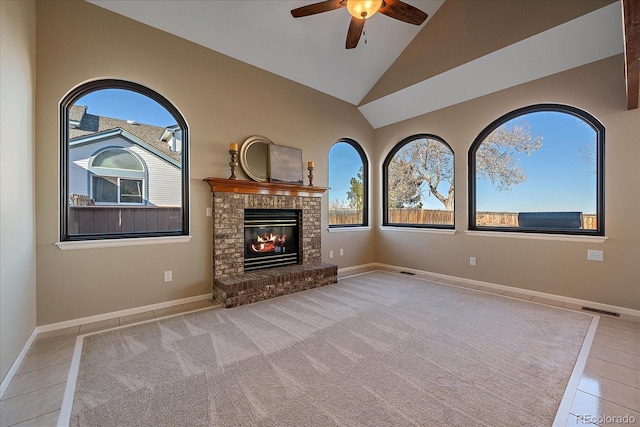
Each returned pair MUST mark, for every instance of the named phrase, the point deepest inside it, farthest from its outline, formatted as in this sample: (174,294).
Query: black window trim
(69,100)
(365,184)
(385,184)
(595,124)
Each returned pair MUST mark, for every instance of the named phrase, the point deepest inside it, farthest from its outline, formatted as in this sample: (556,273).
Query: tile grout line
(617,364)
(610,401)
(33,418)
(31,391)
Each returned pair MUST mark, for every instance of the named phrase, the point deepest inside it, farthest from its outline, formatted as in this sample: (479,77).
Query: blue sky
(126,105)
(344,164)
(558,176)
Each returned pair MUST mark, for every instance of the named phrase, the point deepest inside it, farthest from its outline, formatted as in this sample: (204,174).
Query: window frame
(385,184)
(69,100)
(588,119)
(365,184)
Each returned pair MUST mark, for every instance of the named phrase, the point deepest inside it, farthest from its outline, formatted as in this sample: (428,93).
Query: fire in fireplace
(270,238)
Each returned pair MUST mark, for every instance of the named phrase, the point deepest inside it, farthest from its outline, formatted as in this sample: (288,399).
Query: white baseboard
(625,313)
(120,313)
(16,363)
(635,314)
(358,267)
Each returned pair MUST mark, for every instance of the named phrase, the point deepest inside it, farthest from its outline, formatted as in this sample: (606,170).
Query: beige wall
(226,101)
(223,100)
(480,27)
(555,267)
(17,179)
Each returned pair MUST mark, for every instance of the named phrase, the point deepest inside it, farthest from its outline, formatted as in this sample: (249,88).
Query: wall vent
(597,310)
(408,272)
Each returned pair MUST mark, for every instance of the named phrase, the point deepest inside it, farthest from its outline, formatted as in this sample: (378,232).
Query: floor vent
(596,310)
(407,272)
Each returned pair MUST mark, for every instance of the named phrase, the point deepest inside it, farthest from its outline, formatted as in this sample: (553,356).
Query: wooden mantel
(268,188)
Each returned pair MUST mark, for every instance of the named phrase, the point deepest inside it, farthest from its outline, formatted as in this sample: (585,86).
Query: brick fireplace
(233,285)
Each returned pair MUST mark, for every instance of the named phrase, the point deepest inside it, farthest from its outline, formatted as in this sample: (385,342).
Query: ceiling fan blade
(312,9)
(404,12)
(355,31)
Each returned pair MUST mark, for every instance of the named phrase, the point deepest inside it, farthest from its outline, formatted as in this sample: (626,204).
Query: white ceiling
(311,50)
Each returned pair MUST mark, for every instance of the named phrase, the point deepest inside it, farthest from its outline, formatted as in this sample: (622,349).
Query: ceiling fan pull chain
(364,33)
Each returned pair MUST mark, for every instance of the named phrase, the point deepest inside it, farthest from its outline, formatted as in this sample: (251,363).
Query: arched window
(348,185)
(418,183)
(539,169)
(123,163)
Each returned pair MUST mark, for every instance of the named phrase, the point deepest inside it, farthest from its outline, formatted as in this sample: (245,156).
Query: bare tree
(434,164)
(403,186)
(420,167)
(497,155)
(588,152)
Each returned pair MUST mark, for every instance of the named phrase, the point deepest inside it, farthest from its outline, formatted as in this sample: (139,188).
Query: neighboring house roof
(76,113)
(91,138)
(84,124)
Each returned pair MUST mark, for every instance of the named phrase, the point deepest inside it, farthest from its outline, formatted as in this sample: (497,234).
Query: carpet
(378,349)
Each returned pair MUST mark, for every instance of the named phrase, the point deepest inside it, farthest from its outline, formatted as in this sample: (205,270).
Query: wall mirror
(254,158)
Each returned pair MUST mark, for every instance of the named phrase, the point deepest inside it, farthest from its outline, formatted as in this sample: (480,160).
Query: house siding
(163,186)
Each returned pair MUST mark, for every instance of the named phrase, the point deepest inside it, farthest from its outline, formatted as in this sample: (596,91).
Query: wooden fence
(510,219)
(345,216)
(420,216)
(131,219)
(428,216)
(397,216)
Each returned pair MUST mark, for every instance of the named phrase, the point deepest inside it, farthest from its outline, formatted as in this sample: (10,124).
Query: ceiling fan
(362,10)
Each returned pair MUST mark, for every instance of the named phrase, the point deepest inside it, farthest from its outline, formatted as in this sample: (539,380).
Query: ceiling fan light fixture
(363,9)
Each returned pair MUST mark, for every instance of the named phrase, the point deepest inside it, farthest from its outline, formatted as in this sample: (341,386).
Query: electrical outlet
(168,276)
(330,254)
(208,212)
(341,252)
(472,260)
(595,255)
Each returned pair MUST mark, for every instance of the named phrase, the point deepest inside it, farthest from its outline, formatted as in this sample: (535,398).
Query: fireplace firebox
(271,238)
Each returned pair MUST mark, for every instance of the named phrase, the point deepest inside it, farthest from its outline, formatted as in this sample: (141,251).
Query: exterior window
(418,183)
(111,190)
(117,159)
(348,182)
(539,169)
(130,190)
(114,177)
(123,163)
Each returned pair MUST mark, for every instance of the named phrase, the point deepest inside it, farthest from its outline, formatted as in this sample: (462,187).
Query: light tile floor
(608,393)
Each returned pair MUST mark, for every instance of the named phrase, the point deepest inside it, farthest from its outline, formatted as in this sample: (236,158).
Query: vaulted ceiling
(465,48)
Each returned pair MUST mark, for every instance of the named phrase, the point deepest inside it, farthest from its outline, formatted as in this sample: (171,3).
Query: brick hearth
(232,286)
